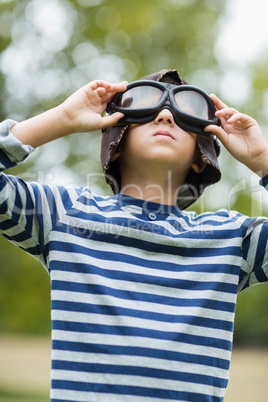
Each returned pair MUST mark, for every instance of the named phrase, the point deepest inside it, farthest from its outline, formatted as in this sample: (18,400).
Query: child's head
(207,151)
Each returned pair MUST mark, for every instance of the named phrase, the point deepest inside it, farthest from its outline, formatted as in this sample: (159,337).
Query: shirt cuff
(264,182)
(12,147)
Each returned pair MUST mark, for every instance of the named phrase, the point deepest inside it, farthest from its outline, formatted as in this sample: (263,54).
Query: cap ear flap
(115,156)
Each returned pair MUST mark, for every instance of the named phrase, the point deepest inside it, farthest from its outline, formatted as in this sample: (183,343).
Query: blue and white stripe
(142,310)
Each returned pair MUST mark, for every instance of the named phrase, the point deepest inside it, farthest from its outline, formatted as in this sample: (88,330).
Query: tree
(48,49)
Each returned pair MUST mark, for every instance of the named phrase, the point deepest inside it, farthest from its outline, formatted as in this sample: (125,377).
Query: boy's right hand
(83,110)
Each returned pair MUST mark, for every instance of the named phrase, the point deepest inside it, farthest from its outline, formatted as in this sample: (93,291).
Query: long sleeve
(254,268)
(28,211)
(12,151)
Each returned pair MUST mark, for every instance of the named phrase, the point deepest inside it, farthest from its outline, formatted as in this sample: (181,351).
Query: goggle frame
(184,120)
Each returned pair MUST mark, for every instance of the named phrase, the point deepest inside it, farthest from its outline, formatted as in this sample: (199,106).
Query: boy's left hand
(241,136)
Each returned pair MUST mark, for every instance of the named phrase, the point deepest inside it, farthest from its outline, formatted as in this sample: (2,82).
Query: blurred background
(48,49)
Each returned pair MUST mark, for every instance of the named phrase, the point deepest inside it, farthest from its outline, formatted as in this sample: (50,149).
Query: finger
(111,120)
(111,93)
(122,86)
(101,91)
(219,104)
(111,90)
(92,88)
(99,84)
(239,118)
(106,98)
(94,85)
(226,110)
(219,132)
(225,114)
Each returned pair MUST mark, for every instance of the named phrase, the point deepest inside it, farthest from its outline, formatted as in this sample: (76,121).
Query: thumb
(111,120)
(219,132)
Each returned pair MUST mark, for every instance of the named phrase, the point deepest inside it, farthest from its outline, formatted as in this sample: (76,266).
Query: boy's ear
(198,166)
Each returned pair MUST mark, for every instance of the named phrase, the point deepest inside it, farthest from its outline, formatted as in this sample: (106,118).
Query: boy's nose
(165,116)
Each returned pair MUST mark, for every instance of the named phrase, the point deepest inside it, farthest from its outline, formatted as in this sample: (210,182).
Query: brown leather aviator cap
(195,183)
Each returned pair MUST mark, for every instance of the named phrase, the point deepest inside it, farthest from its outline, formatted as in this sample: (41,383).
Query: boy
(143,293)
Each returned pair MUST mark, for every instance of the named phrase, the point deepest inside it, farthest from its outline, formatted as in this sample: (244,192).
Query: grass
(25,372)
(21,396)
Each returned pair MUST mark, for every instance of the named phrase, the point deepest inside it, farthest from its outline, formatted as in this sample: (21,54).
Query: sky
(244,31)
(243,38)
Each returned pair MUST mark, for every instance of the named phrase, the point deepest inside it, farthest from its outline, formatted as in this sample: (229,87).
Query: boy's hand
(83,110)
(241,136)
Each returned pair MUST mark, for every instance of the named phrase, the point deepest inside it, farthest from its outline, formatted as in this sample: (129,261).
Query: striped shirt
(143,295)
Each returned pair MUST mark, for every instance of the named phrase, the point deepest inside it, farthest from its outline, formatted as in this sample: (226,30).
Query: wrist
(259,165)
(64,122)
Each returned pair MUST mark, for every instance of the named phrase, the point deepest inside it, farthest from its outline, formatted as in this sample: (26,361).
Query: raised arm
(81,112)
(242,137)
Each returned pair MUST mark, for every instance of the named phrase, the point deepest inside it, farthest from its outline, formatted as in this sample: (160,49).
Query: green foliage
(251,324)
(24,292)
(60,45)
(21,396)
(48,49)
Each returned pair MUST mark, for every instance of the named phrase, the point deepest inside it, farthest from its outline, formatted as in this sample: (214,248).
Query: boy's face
(158,144)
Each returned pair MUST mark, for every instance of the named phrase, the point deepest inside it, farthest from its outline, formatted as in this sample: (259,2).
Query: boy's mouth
(164,133)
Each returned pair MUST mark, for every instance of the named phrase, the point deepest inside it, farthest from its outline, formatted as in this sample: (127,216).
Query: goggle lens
(140,97)
(193,103)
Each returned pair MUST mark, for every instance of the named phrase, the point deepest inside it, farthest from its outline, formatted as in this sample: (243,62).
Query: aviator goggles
(191,107)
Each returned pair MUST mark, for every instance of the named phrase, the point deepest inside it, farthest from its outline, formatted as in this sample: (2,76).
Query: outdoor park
(47,51)
(25,366)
